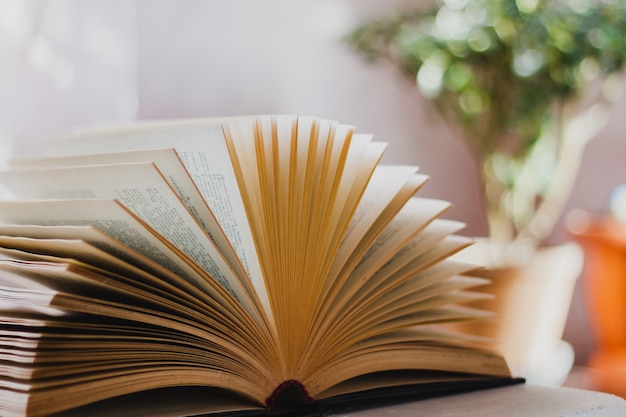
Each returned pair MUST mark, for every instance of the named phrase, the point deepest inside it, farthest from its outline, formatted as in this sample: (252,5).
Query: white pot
(532,301)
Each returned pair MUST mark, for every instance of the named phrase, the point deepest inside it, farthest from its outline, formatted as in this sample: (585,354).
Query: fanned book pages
(244,264)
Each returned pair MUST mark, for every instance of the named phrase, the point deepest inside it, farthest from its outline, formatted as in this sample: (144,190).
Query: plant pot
(532,301)
(603,239)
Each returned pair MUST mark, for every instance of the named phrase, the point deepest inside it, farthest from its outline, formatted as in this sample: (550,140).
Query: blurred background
(71,63)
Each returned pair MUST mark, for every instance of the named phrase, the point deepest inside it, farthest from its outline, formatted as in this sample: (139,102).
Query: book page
(360,165)
(173,171)
(268,164)
(26,249)
(112,276)
(408,356)
(101,281)
(387,191)
(33,298)
(410,243)
(425,269)
(143,190)
(408,223)
(90,245)
(201,147)
(384,185)
(101,360)
(129,291)
(435,287)
(81,281)
(115,220)
(405,266)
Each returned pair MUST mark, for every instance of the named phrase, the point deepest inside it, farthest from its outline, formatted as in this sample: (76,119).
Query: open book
(245,263)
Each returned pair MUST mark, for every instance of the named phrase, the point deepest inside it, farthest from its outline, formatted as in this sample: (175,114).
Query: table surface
(521,400)
(512,401)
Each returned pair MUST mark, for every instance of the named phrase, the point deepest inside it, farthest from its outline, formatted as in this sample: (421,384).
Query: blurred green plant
(515,78)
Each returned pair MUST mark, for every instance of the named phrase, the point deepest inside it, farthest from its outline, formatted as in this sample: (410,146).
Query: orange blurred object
(603,239)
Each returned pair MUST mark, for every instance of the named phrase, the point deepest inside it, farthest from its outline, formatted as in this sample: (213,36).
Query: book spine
(289,393)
